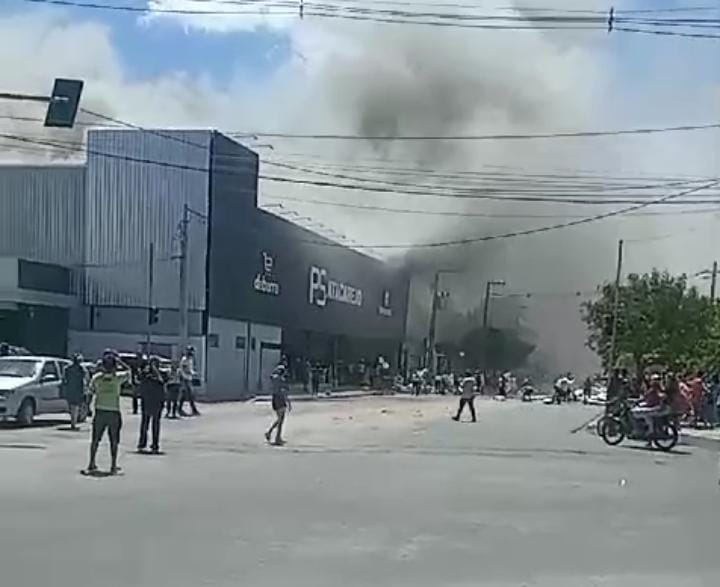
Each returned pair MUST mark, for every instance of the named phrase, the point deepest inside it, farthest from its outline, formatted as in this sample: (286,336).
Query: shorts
(107,420)
(278,403)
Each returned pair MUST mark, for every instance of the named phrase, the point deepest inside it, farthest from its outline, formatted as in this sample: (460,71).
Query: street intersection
(368,491)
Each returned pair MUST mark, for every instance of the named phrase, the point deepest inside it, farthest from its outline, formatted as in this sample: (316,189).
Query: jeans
(465,401)
(187,394)
(173,397)
(151,415)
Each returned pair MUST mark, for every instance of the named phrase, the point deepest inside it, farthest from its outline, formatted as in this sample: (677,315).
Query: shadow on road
(49,423)
(653,450)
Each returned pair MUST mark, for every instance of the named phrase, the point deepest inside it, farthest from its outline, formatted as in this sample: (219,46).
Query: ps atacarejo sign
(323,289)
(263,281)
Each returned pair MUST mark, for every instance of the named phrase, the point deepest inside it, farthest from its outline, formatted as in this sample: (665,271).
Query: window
(240,342)
(49,370)
(213,341)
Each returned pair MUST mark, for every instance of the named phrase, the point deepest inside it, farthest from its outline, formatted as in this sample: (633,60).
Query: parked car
(30,386)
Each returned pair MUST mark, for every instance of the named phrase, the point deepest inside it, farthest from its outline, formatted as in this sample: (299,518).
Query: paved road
(368,492)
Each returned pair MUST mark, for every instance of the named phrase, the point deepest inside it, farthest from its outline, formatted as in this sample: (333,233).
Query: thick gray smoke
(402,80)
(410,81)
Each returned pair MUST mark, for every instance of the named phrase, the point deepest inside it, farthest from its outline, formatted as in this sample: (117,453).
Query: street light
(486,305)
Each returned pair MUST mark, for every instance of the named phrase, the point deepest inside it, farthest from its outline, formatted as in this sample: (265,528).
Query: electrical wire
(354,187)
(556,20)
(448,243)
(471,214)
(487,137)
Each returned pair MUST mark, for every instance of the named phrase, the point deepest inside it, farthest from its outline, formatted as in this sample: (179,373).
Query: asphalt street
(372,491)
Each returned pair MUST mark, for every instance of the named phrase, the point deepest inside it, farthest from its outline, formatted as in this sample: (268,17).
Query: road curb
(700,441)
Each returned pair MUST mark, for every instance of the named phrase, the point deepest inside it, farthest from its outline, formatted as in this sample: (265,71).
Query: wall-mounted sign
(264,281)
(324,289)
(385,309)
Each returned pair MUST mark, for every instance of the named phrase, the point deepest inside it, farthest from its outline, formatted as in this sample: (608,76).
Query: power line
(556,20)
(487,137)
(468,195)
(470,214)
(456,242)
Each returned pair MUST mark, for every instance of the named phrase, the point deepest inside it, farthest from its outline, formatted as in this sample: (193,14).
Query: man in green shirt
(105,386)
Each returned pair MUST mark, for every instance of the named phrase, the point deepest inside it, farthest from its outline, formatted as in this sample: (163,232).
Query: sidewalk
(703,438)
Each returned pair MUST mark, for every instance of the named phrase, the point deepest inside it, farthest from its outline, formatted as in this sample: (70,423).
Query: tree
(660,319)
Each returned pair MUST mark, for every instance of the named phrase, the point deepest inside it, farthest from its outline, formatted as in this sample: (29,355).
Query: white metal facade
(137,184)
(42,213)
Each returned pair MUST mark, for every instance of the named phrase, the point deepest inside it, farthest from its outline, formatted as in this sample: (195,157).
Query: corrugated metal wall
(42,213)
(137,184)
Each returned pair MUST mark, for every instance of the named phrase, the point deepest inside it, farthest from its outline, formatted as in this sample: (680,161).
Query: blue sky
(164,45)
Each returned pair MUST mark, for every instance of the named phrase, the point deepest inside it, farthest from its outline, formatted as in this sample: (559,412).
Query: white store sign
(322,289)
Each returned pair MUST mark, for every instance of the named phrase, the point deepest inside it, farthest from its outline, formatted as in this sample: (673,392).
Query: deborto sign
(323,289)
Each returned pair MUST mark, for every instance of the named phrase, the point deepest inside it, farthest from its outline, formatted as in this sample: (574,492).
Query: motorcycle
(620,423)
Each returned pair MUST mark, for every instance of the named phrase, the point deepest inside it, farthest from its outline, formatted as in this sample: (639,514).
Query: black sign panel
(265,269)
(64,103)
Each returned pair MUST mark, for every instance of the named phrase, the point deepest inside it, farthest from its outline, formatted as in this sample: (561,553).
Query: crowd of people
(153,389)
(692,396)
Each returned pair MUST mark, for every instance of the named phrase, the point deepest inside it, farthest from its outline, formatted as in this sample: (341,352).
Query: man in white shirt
(187,374)
(467,396)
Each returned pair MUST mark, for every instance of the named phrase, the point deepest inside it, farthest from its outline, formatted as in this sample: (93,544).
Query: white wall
(262,361)
(226,362)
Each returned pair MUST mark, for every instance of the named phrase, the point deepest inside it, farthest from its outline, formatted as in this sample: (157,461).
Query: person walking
(73,389)
(173,392)
(467,397)
(105,386)
(280,404)
(152,397)
(187,374)
(587,389)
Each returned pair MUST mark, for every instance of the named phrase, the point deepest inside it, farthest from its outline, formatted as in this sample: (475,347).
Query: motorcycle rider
(651,405)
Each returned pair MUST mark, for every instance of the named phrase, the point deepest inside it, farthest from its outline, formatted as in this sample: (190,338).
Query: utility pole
(486,306)
(486,303)
(616,304)
(150,279)
(430,354)
(184,334)
(713,282)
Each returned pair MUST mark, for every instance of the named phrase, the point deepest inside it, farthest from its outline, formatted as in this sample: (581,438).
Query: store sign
(264,281)
(385,309)
(324,289)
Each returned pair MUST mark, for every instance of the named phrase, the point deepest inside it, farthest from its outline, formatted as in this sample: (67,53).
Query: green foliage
(660,320)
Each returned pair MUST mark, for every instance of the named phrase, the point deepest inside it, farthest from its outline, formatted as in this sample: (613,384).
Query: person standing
(173,392)
(280,404)
(467,397)
(315,374)
(73,388)
(587,389)
(152,397)
(502,385)
(187,374)
(137,367)
(105,386)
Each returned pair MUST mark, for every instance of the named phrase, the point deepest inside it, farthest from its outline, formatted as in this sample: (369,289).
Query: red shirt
(653,396)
